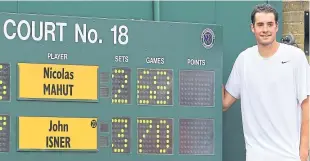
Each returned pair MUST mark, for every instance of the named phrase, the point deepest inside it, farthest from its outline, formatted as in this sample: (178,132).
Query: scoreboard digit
(155,135)
(121,135)
(121,91)
(155,87)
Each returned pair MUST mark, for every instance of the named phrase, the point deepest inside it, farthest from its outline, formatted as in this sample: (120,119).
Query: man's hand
(304,140)
(303,154)
(228,99)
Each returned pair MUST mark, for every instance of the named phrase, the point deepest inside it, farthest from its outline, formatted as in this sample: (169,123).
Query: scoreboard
(98,89)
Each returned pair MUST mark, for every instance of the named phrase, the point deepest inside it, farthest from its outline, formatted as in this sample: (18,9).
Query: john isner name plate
(56,133)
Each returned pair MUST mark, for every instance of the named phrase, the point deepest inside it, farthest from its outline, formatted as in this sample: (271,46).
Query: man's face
(265,28)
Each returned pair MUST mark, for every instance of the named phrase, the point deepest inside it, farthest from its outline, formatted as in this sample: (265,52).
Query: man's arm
(304,135)
(232,91)
(303,91)
(228,99)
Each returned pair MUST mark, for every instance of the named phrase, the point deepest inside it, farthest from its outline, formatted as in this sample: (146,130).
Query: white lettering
(5,31)
(54,56)
(34,31)
(120,36)
(91,35)
(61,28)
(94,32)
(19,30)
(155,60)
(81,35)
(49,31)
(25,30)
(196,62)
(121,59)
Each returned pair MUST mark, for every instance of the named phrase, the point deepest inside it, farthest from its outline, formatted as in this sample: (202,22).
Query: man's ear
(252,27)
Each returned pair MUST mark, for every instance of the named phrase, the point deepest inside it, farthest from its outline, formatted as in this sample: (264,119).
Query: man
(272,80)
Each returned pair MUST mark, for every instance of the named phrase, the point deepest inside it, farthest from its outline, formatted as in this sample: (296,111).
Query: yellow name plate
(59,82)
(55,133)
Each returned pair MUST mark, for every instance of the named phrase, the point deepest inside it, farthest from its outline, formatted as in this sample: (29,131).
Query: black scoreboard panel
(5,82)
(154,87)
(121,135)
(197,88)
(4,133)
(121,93)
(196,136)
(155,135)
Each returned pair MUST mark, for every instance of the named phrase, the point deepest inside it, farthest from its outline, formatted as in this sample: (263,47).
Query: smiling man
(273,82)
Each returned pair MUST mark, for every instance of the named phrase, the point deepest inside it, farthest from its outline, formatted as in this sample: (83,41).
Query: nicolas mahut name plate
(57,81)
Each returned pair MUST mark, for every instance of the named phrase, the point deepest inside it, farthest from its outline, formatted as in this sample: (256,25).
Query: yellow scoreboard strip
(55,133)
(55,81)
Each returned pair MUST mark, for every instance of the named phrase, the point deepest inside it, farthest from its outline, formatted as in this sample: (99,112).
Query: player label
(54,133)
(55,56)
(55,81)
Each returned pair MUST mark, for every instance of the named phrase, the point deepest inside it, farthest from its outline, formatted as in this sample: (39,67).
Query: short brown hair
(266,8)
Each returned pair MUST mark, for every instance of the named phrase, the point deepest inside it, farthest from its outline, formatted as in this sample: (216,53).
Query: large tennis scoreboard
(96,89)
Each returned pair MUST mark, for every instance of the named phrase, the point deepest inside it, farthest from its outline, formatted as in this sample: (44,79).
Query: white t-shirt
(271,91)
